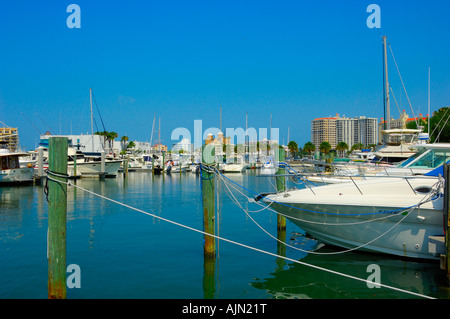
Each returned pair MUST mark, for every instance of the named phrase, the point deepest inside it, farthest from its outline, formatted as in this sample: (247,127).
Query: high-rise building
(338,129)
(324,130)
(10,136)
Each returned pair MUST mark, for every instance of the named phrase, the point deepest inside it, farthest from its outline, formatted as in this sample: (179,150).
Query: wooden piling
(281,186)
(57,211)
(208,197)
(103,165)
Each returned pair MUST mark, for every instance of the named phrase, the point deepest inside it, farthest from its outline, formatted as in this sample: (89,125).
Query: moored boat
(401,216)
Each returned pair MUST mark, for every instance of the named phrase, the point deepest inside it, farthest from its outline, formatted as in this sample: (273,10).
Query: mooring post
(163,162)
(57,210)
(281,186)
(102,165)
(75,166)
(40,163)
(446,217)
(208,196)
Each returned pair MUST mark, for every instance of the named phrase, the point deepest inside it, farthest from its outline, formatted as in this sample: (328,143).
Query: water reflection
(299,281)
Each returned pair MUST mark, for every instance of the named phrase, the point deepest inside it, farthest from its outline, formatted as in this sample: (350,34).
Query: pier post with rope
(208,197)
(57,211)
(281,186)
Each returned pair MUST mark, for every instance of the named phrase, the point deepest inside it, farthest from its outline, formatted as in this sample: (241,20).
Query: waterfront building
(94,144)
(324,130)
(10,135)
(399,123)
(338,129)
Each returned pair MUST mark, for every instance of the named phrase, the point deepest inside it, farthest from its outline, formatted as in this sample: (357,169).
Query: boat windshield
(412,158)
(432,159)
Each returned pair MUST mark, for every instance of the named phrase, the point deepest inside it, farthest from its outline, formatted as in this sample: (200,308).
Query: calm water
(126,254)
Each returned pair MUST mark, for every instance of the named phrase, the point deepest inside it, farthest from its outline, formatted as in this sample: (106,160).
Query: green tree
(309,147)
(293,147)
(341,147)
(123,141)
(440,125)
(104,134)
(131,144)
(357,146)
(325,147)
(111,136)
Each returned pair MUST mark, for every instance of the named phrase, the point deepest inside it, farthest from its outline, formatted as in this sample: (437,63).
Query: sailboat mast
(429,103)
(153,128)
(386,82)
(92,119)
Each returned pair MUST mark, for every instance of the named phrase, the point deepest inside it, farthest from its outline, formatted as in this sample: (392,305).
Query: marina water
(123,253)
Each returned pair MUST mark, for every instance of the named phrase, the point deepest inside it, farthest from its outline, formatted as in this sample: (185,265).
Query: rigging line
(98,110)
(415,119)
(34,126)
(443,126)
(247,246)
(398,108)
(440,121)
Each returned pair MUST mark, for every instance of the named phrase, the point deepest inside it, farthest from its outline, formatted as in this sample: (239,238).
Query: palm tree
(357,146)
(342,147)
(123,141)
(131,144)
(293,147)
(111,136)
(105,136)
(325,147)
(309,147)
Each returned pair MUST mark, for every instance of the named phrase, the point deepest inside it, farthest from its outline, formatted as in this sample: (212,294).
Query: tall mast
(153,128)
(388,108)
(92,119)
(429,103)
(220,119)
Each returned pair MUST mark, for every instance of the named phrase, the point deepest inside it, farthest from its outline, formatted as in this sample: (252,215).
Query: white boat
(11,170)
(426,158)
(237,165)
(268,167)
(393,215)
(398,146)
(90,166)
(233,167)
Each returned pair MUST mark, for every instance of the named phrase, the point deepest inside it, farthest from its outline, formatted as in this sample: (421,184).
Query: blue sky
(183,60)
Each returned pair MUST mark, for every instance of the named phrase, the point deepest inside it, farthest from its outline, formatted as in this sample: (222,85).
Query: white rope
(243,245)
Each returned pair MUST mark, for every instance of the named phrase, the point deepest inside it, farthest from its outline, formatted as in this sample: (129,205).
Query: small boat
(12,171)
(401,216)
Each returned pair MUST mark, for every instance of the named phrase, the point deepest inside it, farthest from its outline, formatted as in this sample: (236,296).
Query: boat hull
(94,168)
(17,175)
(397,227)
